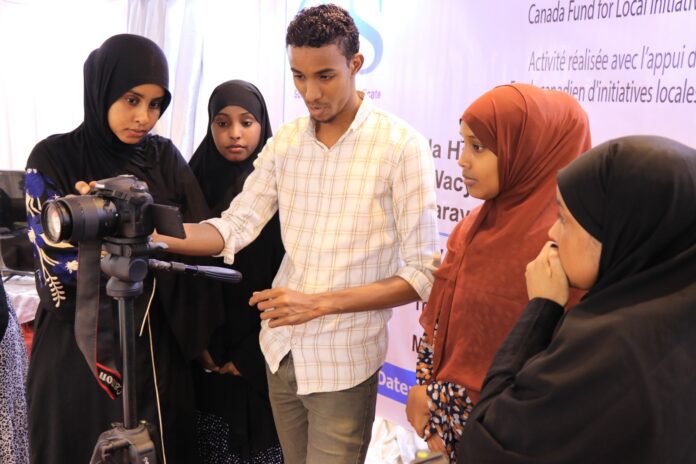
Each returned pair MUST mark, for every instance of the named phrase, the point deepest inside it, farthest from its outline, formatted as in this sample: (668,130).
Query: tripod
(126,263)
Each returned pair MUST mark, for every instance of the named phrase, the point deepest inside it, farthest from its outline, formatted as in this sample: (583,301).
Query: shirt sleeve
(415,210)
(251,210)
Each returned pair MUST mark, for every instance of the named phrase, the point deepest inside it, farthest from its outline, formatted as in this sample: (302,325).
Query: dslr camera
(118,207)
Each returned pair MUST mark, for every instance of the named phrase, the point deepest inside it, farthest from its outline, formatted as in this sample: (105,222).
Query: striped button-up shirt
(361,211)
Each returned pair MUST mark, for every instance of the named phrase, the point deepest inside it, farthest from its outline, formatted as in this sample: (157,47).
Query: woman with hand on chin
(612,379)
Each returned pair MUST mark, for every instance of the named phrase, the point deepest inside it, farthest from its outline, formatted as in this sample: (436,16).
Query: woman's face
(578,250)
(135,113)
(236,133)
(479,166)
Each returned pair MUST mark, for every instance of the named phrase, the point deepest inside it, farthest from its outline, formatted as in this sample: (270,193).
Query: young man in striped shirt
(355,188)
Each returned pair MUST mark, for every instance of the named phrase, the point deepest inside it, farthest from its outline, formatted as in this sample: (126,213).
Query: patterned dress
(449,403)
(214,444)
(14,441)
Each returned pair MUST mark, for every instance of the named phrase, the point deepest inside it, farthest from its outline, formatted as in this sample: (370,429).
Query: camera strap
(95,322)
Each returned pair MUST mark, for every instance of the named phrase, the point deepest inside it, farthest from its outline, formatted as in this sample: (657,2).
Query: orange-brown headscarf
(480,288)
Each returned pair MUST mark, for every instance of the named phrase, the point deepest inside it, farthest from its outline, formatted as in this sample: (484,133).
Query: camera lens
(79,217)
(57,224)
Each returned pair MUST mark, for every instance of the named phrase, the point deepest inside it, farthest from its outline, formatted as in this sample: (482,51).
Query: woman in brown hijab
(516,138)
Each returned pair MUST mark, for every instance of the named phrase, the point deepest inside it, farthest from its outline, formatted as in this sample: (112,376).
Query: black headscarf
(634,195)
(221,180)
(122,62)
(614,381)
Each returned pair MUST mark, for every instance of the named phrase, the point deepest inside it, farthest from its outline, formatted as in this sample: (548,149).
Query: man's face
(325,78)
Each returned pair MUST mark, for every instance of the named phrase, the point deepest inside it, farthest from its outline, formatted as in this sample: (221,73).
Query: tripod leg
(125,317)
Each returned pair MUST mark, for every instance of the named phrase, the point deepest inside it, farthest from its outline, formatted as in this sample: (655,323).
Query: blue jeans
(321,428)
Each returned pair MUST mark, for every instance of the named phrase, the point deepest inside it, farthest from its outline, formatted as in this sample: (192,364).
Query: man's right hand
(83,188)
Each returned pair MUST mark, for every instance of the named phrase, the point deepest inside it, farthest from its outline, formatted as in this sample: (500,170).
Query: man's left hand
(282,306)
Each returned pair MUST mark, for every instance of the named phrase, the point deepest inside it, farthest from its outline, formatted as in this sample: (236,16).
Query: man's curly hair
(324,25)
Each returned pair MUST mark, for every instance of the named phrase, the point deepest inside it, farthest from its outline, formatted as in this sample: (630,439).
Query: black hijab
(614,381)
(122,62)
(221,180)
(636,195)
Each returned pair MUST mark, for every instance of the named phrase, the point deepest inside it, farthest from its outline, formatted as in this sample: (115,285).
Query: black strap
(95,322)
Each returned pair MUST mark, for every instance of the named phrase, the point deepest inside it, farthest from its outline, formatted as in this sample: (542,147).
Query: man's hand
(545,276)
(83,188)
(282,306)
(417,410)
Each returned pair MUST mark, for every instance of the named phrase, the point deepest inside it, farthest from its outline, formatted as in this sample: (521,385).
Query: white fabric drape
(43,47)
(173,25)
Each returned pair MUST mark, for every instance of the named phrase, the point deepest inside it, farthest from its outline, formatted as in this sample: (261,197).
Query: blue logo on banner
(367,31)
(394,382)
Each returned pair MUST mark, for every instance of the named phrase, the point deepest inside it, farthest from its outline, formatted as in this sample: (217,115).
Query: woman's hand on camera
(545,276)
(83,188)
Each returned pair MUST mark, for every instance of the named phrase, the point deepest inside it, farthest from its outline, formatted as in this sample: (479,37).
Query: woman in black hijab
(613,381)
(125,93)
(235,422)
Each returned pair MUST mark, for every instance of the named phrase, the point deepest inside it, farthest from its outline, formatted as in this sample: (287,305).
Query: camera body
(120,207)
